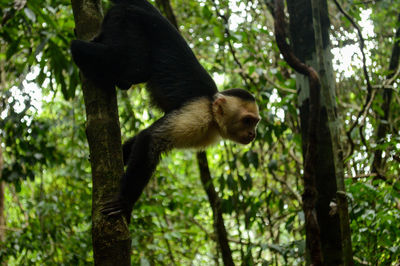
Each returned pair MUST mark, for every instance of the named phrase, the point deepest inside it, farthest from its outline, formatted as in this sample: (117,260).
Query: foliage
(46,155)
(374,216)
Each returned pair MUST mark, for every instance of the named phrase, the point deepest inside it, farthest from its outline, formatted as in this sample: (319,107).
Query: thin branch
(364,116)
(244,76)
(361,176)
(215,203)
(291,190)
(270,81)
(393,78)
(367,103)
(166,7)
(362,42)
(10,229)
(170,254)
(202,228)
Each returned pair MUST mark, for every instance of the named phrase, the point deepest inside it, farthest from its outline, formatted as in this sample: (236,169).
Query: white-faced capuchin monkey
(137,44)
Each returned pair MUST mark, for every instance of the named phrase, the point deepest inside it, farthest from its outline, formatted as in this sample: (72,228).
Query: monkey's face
(237,119)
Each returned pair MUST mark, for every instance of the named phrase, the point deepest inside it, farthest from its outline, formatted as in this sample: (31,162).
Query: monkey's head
(236,114)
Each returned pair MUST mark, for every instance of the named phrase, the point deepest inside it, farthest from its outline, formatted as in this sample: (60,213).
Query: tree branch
(215,203)
(367,103)
(242,74)
(310,192)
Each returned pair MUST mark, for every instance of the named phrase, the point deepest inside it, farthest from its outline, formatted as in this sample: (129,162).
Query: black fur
(137,44)
(141,155)
(127,148)
(239,93)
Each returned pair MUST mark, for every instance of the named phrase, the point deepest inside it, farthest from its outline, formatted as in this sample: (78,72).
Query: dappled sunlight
(259,192)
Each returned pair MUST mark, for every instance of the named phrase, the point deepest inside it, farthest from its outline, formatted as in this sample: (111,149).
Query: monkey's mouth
(246,140)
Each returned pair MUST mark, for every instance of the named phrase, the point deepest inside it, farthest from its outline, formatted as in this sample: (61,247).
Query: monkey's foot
(114,207)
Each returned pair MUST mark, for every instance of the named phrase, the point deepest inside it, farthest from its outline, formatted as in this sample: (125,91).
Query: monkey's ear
(219,104)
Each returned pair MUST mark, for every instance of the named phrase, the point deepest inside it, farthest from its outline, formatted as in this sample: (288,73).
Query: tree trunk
(215,202)
(329,164)
(110,236)
(165,7)
(329,104)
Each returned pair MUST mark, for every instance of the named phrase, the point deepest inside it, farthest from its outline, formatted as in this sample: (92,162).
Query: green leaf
(252,69)
(30,15)
(218,33)
(207,14)
(227,205)
(232,184)
(144,261)
(13,48)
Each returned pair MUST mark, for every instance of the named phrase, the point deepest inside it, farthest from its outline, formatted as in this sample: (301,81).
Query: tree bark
(215,203)
(328,163)
(302,37)
(329,104)
(110,235)
(310,138)
(166,8)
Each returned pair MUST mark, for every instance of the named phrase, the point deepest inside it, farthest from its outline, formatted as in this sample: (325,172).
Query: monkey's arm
(188,127)
(141,154)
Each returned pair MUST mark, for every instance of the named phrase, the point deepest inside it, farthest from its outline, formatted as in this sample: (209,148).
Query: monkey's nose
(252,134)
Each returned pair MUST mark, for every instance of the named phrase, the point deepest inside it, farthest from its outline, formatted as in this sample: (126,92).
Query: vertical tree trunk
(329,165)
(165,7)
(111,238)
(215,203)
(329,104)
(310,138)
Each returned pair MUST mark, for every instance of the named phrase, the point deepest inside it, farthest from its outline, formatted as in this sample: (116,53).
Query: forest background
(46,192)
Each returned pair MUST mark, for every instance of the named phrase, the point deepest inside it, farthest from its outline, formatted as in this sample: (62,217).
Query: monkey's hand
(116,206)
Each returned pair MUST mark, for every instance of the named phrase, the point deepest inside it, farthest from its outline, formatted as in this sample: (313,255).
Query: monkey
(136,44)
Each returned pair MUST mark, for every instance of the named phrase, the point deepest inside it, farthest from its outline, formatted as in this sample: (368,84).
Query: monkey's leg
(143,159)
(118,64)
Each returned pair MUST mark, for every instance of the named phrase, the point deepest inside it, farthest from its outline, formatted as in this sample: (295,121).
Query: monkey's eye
(247,120)
(250,120)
